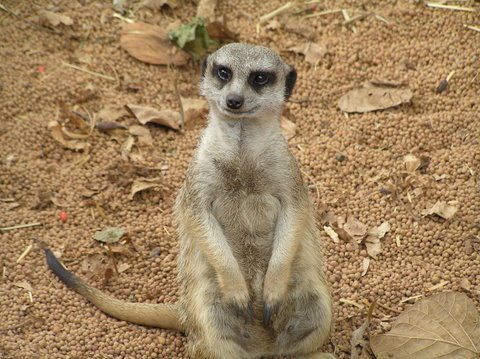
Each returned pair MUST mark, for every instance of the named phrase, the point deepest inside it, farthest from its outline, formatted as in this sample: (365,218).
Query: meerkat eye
(224,73)
(260,79)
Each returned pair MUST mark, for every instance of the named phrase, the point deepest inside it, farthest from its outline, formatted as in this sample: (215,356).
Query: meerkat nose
(234,101)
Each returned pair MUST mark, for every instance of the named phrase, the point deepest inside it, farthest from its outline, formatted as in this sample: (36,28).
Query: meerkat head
(246,81)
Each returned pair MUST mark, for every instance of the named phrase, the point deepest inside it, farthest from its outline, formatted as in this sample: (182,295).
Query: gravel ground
(354,165)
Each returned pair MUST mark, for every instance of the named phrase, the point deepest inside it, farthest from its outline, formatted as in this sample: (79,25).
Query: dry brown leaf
(412,163)
(372,241)
(289,129)
(313,52)
(146,114)
(150,44)
(273,25)
(372,98)
(158,4)
(441,209)
(365,265)
(56,131)
(122,267)
(331,233)
(195,111)
(53,18)
(142,184)
(355,229)
(111,114)
(300,28)
(444,325)
(358,335)
(143,134)
(218,30)
(24,284)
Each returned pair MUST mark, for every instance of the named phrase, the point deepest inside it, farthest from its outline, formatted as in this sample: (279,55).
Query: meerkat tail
(152,315)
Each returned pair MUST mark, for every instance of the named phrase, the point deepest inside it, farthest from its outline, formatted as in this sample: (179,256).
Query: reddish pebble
(63,216)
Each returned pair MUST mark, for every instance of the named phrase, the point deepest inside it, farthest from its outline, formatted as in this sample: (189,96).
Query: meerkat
(251,263)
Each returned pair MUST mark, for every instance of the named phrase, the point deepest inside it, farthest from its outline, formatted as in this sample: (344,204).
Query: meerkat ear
(204,65)
(290,82)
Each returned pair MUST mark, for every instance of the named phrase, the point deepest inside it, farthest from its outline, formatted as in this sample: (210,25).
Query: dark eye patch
(260,79)
(223,73)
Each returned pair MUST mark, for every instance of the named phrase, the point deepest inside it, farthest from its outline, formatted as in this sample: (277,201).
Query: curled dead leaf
(109,235)
(443,325)
(166,117)
(195,111)
(143,134)
(289,129)
(56,131)
(371,98)
(412,163)
(150,44)
(372,241)
(331,233)
(355,229)
(313,52)
(441,209)
(142,184)
(46,17)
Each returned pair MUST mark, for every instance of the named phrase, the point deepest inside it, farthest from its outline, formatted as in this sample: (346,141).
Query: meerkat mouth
(239,113)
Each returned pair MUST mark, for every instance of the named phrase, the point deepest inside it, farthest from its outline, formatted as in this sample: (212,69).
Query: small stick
(347,18)
(88,71)
(281,10)
(112,257)
(388,308)
(351,302)
(356,17)
(166,230)
(18,226)
(410,298)
(382,19)
(326,12)
(313,183)
(115,73)
(450,7)
(471,27)
(6,9)
(24,254)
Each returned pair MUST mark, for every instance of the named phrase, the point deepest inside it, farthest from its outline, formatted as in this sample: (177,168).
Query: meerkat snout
(234,101)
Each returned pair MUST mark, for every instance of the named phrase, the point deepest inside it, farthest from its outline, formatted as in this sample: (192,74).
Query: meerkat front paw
(275,288)
(235,295)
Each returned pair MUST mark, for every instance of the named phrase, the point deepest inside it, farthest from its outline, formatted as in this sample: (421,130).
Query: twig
(471,27)
(382,19)
(24,254)
(173,73)
(313,183)
(347,18)
(356,17)
(6,9)
(450,7)
(18,226)
(388,308)
(115,73)
(88,71)
(326,12)
(281,10)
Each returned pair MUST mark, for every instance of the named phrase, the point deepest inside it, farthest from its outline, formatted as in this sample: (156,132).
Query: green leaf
(192,37)
(109,235)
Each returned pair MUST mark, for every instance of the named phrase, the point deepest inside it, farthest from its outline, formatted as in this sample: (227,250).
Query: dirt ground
(353,164)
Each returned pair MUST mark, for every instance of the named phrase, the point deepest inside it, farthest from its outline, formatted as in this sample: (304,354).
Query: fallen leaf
(109,235)
(52,18)
(143,134)
(365,265)
(24,284)
(142,184)
(166,117)
(355,229)
(412,163)
(111,114)
(195,111)
(122,267)
(218,30)
(273,25)
(331,233)
(158,4)
(358,335)
(289,128)
(372,241)
(56,131)
(313,52)
(441,209)
(371,98)
(444,325)
(150,44)
(300,28)
(192,37)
